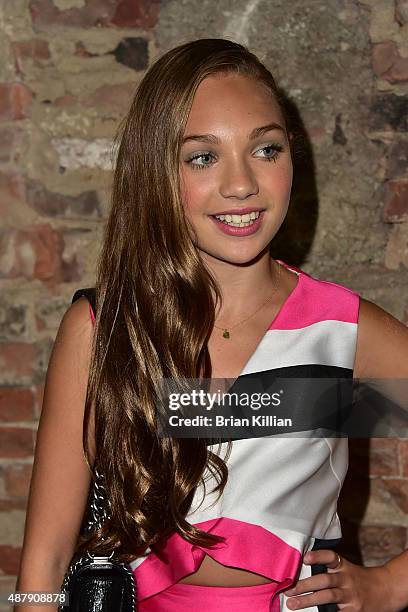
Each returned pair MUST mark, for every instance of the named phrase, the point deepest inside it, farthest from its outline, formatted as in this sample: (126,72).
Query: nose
(238,180)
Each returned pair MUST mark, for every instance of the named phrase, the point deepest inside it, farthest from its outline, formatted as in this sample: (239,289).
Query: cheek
(194,190)
(281,181)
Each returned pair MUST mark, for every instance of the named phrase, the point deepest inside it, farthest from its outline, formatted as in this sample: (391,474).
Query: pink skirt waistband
(181,597)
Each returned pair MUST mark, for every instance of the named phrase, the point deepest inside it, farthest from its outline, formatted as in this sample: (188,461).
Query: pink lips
(239,231)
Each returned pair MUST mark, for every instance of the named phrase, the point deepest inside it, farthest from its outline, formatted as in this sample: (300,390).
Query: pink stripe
(249,547)
(314,300)
(182,597)
(92,313)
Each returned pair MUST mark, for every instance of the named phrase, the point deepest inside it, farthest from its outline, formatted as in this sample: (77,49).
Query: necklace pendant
(226,334)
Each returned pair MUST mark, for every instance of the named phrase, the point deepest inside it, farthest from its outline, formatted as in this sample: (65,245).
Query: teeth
(239,220)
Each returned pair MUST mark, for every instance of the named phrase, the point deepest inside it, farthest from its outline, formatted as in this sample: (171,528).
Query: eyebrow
(256,133)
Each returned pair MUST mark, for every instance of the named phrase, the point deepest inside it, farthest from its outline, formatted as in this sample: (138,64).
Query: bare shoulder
(77,320)
(382,344)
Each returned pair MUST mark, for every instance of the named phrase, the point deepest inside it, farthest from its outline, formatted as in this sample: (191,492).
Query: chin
(236,259)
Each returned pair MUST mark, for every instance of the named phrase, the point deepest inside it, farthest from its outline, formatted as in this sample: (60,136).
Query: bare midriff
(212,573)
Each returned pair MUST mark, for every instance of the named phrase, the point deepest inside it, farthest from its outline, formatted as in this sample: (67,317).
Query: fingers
(314,583)
(330,558)
(315,599)
(321,588)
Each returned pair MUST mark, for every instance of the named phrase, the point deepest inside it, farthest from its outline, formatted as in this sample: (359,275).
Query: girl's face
(235,157)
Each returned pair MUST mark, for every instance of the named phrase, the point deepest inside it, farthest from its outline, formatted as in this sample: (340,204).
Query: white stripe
(279,483)
(331,343)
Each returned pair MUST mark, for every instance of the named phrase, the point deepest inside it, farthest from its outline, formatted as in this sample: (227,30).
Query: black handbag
(99,584)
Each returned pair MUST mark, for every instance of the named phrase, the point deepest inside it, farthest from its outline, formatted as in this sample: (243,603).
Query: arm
(60,478)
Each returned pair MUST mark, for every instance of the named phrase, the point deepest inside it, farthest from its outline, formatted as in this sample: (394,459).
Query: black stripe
(322,569)
(89,293)
(325,389)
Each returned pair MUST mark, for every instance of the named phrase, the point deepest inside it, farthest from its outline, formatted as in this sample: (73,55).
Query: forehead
(234,98)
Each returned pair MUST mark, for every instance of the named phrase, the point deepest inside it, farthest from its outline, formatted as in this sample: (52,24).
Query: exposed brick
(385,54)
(17,479)
(53,204)
(44,13)
(384,457)
(396,201)
(16,442)
(67,100)
(15,101)
(18,362)
(15,503)
(388,63)
(396,252)
(397,156)
(48,246)
(9,559)
(10,144)
(36,252)
(6,144)
(389,112)
(39,398)
(132,52)
(34,49)
(381,543)
(16,404)
(12,191)
(403,454)
(136,13)
(399,491)
(113,98)
(398,73)
(122,13)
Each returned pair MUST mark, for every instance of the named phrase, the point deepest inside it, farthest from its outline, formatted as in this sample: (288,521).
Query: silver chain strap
(99,508)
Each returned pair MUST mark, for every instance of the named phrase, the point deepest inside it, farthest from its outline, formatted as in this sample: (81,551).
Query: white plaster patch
(64,5)
(77,153)
(237,27)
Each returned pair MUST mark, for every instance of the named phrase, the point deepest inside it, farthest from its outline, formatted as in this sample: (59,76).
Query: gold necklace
(226,332)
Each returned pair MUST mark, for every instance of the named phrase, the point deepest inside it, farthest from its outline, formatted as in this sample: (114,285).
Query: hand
(353,588)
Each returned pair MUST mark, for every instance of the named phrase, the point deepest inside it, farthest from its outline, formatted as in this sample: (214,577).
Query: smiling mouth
(238,220)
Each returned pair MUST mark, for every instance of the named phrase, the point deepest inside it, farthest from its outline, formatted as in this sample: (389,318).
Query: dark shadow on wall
(295,236)
(354,499)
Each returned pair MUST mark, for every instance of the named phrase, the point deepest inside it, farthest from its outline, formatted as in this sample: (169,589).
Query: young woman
(186,288)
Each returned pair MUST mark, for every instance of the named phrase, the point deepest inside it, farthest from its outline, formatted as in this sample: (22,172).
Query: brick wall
(68,71)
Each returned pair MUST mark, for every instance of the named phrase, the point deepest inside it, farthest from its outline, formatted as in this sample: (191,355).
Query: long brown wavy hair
(155,310)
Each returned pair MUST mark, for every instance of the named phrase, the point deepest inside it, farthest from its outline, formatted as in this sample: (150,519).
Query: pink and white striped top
(281,496)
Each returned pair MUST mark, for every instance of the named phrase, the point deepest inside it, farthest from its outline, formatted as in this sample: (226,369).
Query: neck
(243,287)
